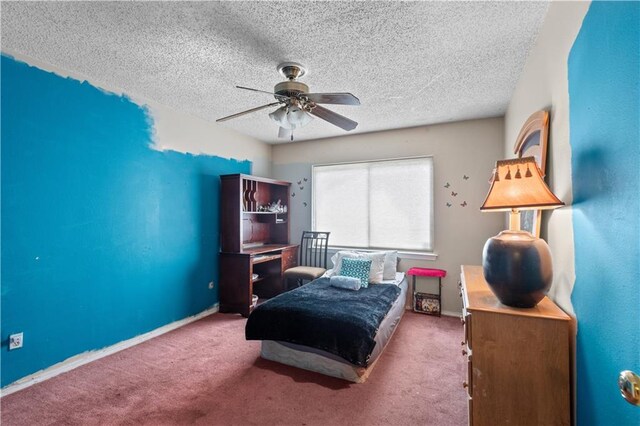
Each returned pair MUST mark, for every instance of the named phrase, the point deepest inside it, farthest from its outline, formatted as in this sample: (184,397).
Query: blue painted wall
(103,238)
(604,93)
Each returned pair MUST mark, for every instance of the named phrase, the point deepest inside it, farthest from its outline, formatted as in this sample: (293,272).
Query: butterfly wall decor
(453,193)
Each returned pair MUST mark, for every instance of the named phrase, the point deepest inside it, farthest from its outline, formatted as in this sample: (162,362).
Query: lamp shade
(518,184)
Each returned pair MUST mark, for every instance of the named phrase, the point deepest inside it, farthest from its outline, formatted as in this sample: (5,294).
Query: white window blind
(377,204)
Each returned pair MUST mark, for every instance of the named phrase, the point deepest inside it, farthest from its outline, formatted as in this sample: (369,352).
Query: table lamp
(517,265)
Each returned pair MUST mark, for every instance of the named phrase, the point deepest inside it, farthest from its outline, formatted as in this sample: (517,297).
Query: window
(376,204)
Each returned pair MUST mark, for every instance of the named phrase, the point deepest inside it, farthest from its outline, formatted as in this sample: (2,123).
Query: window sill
(412,255)
(417,255)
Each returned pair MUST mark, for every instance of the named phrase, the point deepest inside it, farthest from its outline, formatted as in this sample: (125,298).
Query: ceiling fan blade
(264,91)
(334,118)
(333,98)
(284,133)
(249,111)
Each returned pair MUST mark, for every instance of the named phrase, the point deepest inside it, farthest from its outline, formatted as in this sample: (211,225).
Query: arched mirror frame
(527,144)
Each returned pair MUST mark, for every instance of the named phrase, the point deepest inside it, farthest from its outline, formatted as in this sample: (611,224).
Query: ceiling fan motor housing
(290,88)
(291,70)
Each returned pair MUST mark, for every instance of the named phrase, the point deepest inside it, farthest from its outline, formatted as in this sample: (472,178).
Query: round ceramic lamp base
(518,268)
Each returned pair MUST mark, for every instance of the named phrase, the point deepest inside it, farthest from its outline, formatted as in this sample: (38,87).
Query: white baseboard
(87,357)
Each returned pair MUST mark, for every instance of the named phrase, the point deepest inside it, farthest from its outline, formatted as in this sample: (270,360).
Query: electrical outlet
(211,285)
(15,341)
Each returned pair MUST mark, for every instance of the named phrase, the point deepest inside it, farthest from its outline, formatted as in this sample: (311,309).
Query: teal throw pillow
(356,268)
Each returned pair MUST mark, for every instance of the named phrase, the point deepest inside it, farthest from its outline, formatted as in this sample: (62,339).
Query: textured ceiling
(410,63)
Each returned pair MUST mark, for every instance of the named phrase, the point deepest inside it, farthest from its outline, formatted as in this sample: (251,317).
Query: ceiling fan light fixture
(297,117)
(290,117)
(280,116)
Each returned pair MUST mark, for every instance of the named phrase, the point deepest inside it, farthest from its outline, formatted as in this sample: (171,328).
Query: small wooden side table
(427,303)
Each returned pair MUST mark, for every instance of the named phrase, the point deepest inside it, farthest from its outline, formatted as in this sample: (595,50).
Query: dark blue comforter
(342,322)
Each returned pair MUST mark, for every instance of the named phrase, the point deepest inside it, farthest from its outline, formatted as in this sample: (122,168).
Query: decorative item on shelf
(254,300)
(277,207)
(516,264)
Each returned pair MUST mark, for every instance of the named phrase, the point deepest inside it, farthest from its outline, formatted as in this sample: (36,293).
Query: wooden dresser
(518,359)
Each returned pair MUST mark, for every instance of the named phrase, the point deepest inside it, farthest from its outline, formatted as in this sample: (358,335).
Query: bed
(336,332)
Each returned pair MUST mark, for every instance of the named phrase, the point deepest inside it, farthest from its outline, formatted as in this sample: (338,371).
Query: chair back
(313,249)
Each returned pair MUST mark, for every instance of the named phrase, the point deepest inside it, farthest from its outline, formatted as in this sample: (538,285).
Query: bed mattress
(335,320)
(330,364)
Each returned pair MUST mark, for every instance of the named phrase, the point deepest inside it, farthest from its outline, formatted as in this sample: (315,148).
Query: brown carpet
(206,373)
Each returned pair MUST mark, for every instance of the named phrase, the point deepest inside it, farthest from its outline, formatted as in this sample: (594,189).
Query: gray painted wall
(462,148)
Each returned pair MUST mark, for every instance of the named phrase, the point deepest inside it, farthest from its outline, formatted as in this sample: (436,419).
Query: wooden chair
(312,259)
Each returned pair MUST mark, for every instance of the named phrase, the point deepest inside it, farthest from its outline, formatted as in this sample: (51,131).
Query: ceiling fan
(297,105)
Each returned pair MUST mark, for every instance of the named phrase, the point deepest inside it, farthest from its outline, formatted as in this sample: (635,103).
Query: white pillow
(376,273)
(336,259)
(390,262)
(390,265)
